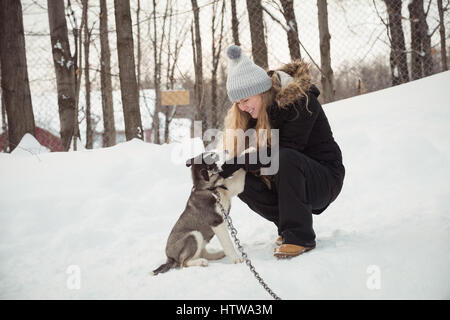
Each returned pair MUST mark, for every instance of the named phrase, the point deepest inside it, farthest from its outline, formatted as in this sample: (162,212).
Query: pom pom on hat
(234,52)
(244,79)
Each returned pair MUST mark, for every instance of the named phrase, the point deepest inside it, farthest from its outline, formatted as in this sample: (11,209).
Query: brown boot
(290,250)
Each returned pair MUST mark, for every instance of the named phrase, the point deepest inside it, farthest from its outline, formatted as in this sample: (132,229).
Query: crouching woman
(310,171)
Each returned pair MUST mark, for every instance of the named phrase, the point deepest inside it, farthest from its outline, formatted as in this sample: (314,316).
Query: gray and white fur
(202,219)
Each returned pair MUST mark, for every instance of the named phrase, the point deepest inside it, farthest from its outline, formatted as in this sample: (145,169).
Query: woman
(310,173)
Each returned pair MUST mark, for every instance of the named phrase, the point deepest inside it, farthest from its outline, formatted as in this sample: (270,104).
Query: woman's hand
(248,161)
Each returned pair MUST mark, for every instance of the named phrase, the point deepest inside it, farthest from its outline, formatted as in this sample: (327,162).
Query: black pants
(301,186)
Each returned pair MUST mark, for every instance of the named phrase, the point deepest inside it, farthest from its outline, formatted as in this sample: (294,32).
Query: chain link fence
(373,45)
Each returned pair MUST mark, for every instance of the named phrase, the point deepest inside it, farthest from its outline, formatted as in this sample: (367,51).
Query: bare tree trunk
(398,59)
(78,62)
(161,45)
(139,54)
(292,34)
(5,146)
(426,43)
(327,77)
(109,135)
(156,80)
(259,48)
(421,61)
(157,52)
(64,70)
(216,53)
(416,48)
(234,23)
(198,67)
(169,110)
(15,86)
(173,54)
(442,35)
(128,84)
(87,80)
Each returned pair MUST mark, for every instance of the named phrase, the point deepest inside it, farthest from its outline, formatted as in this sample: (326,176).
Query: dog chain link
(233,232)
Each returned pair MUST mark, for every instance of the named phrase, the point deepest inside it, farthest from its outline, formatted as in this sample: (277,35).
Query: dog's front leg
(224,238)
(236,182)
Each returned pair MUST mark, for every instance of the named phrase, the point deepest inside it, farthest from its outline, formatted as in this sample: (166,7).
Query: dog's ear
(189,162)
(204,174)
(210,157)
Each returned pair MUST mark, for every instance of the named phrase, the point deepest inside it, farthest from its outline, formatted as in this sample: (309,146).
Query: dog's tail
(170,263)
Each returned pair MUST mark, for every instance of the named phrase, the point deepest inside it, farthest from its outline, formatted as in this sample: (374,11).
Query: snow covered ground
(91,224)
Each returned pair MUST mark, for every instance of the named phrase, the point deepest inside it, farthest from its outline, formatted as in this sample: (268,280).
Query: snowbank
(91,224)
(29,146)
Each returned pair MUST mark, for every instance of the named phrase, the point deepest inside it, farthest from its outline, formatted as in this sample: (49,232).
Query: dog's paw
(203,262)
(237,260)
(200,262)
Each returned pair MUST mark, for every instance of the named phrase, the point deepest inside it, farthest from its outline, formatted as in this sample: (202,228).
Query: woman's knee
(255,190)
(289,158)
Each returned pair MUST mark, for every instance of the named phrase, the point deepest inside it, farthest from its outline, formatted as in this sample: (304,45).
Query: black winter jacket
(302,128)
(307,130)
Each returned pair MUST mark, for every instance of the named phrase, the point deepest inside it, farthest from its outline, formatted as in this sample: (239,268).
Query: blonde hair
(237,119)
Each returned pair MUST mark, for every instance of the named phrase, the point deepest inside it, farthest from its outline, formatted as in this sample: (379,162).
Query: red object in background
(45,138)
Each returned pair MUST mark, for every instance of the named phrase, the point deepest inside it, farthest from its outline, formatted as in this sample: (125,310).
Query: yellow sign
(175,98)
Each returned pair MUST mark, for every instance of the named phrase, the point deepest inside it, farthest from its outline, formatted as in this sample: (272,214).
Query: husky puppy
(202,218)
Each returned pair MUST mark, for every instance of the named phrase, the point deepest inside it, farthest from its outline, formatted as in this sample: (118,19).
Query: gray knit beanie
(245,79)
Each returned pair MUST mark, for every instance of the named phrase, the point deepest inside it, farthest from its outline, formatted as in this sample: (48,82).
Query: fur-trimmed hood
(292,83)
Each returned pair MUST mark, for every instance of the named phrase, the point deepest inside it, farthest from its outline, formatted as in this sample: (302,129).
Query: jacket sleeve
(299,121)
(249,162)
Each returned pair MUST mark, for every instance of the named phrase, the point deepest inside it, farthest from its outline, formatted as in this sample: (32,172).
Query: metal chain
(233,232)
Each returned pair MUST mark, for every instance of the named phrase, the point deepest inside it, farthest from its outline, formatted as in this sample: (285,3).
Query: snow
(291,25)
(29,146)
(58,46)
(91,224)
(61,61)
(395,72)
